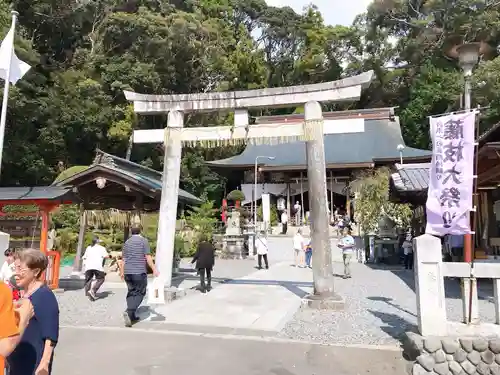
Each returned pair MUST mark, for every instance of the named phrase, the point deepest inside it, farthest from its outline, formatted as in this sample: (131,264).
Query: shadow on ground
(452,286)
(394,325)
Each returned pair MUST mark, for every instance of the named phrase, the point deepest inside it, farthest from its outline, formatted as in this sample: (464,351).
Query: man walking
(347,244)
(205,261)
(93,261)
(136,255)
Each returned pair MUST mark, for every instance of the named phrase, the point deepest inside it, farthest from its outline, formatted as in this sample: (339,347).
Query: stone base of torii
(174,136)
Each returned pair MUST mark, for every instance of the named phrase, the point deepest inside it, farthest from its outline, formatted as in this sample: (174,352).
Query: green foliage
(71,171)
(66,240)
(274,214)
(236,195)
(85,53)
(66,216)
(372,201)
(202,221)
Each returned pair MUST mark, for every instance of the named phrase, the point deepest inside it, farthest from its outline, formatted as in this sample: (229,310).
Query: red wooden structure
(47,199)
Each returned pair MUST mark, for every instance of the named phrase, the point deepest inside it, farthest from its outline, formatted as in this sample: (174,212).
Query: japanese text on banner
(449,199)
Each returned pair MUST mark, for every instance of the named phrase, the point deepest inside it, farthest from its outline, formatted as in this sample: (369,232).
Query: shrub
(274,214)
(236,195)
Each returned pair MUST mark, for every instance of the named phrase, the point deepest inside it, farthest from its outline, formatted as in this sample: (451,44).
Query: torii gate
(312,131)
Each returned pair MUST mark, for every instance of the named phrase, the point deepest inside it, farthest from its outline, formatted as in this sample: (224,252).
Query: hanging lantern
(100,182)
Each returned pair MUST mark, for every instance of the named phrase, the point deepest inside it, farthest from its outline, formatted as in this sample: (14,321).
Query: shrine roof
(409,183)
(411,177)
(128,173)
(55,194)
(378,143)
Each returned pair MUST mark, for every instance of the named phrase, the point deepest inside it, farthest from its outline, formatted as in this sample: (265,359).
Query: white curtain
(281,190)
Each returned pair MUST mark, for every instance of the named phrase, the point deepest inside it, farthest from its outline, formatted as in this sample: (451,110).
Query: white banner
(266,209)
(449,198)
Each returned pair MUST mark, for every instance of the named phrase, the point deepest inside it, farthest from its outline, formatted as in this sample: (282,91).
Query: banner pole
(475,201)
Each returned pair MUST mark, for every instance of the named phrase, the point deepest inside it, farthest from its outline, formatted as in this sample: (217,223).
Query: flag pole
(5,99)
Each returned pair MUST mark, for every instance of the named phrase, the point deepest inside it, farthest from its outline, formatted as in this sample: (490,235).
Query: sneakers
(90,296)
(127,320)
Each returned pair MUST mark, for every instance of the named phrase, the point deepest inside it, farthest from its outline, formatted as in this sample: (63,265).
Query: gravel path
(76,309)
(380,303)
(380,307)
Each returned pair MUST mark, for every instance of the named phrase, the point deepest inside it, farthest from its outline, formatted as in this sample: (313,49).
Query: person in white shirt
(284,222)
(299,245)
(347,245)
(262,250)
(93,259)
(298,213)
(7,270)
(408,253)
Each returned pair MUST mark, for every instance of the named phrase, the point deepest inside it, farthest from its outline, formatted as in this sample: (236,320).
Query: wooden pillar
(126,227)
(77,264)
(492,227)
(331,196)
(348,200)
(302,211)
(44,232)
(288,200)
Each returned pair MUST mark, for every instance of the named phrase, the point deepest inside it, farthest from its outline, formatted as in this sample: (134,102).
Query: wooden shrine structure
(363,139)
(46,199)
(114,182)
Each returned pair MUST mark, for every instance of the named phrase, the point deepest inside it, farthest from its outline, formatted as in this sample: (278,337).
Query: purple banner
(451,177)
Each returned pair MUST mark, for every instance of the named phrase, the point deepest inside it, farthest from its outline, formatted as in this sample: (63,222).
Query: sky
(335,12)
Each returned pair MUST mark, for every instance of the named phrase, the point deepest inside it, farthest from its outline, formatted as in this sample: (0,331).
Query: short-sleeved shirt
(94,256)
(135,250)
(348,244)
(44,325)
(8,326)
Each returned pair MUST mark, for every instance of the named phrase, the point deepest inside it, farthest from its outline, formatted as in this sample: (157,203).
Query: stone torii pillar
(175,135)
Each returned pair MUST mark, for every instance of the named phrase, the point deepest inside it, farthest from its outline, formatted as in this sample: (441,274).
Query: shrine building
(364,139)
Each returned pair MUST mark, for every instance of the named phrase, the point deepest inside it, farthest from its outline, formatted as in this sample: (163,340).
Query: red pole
(468,248)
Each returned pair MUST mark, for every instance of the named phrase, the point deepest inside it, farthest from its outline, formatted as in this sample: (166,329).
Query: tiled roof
(379,141)
(411,177)
(133,172)
(50,193)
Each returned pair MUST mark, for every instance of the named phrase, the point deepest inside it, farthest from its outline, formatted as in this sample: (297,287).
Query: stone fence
(445,347)
(445,356)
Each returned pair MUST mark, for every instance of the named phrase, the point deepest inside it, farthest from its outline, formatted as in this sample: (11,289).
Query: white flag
(18,68)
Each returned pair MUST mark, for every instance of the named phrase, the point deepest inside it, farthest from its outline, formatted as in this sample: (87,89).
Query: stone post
(429,285)
(324,296)
(169,197)
(466,285)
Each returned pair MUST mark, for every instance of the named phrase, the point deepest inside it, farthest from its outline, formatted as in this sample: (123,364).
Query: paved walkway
(264,300)
(380,303)
(119,351)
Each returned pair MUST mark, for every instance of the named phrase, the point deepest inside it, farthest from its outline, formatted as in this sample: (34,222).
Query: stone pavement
(380,303)
(119,351)
(264,300)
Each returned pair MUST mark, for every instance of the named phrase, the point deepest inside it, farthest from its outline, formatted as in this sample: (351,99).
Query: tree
(372,201)
(85,53)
